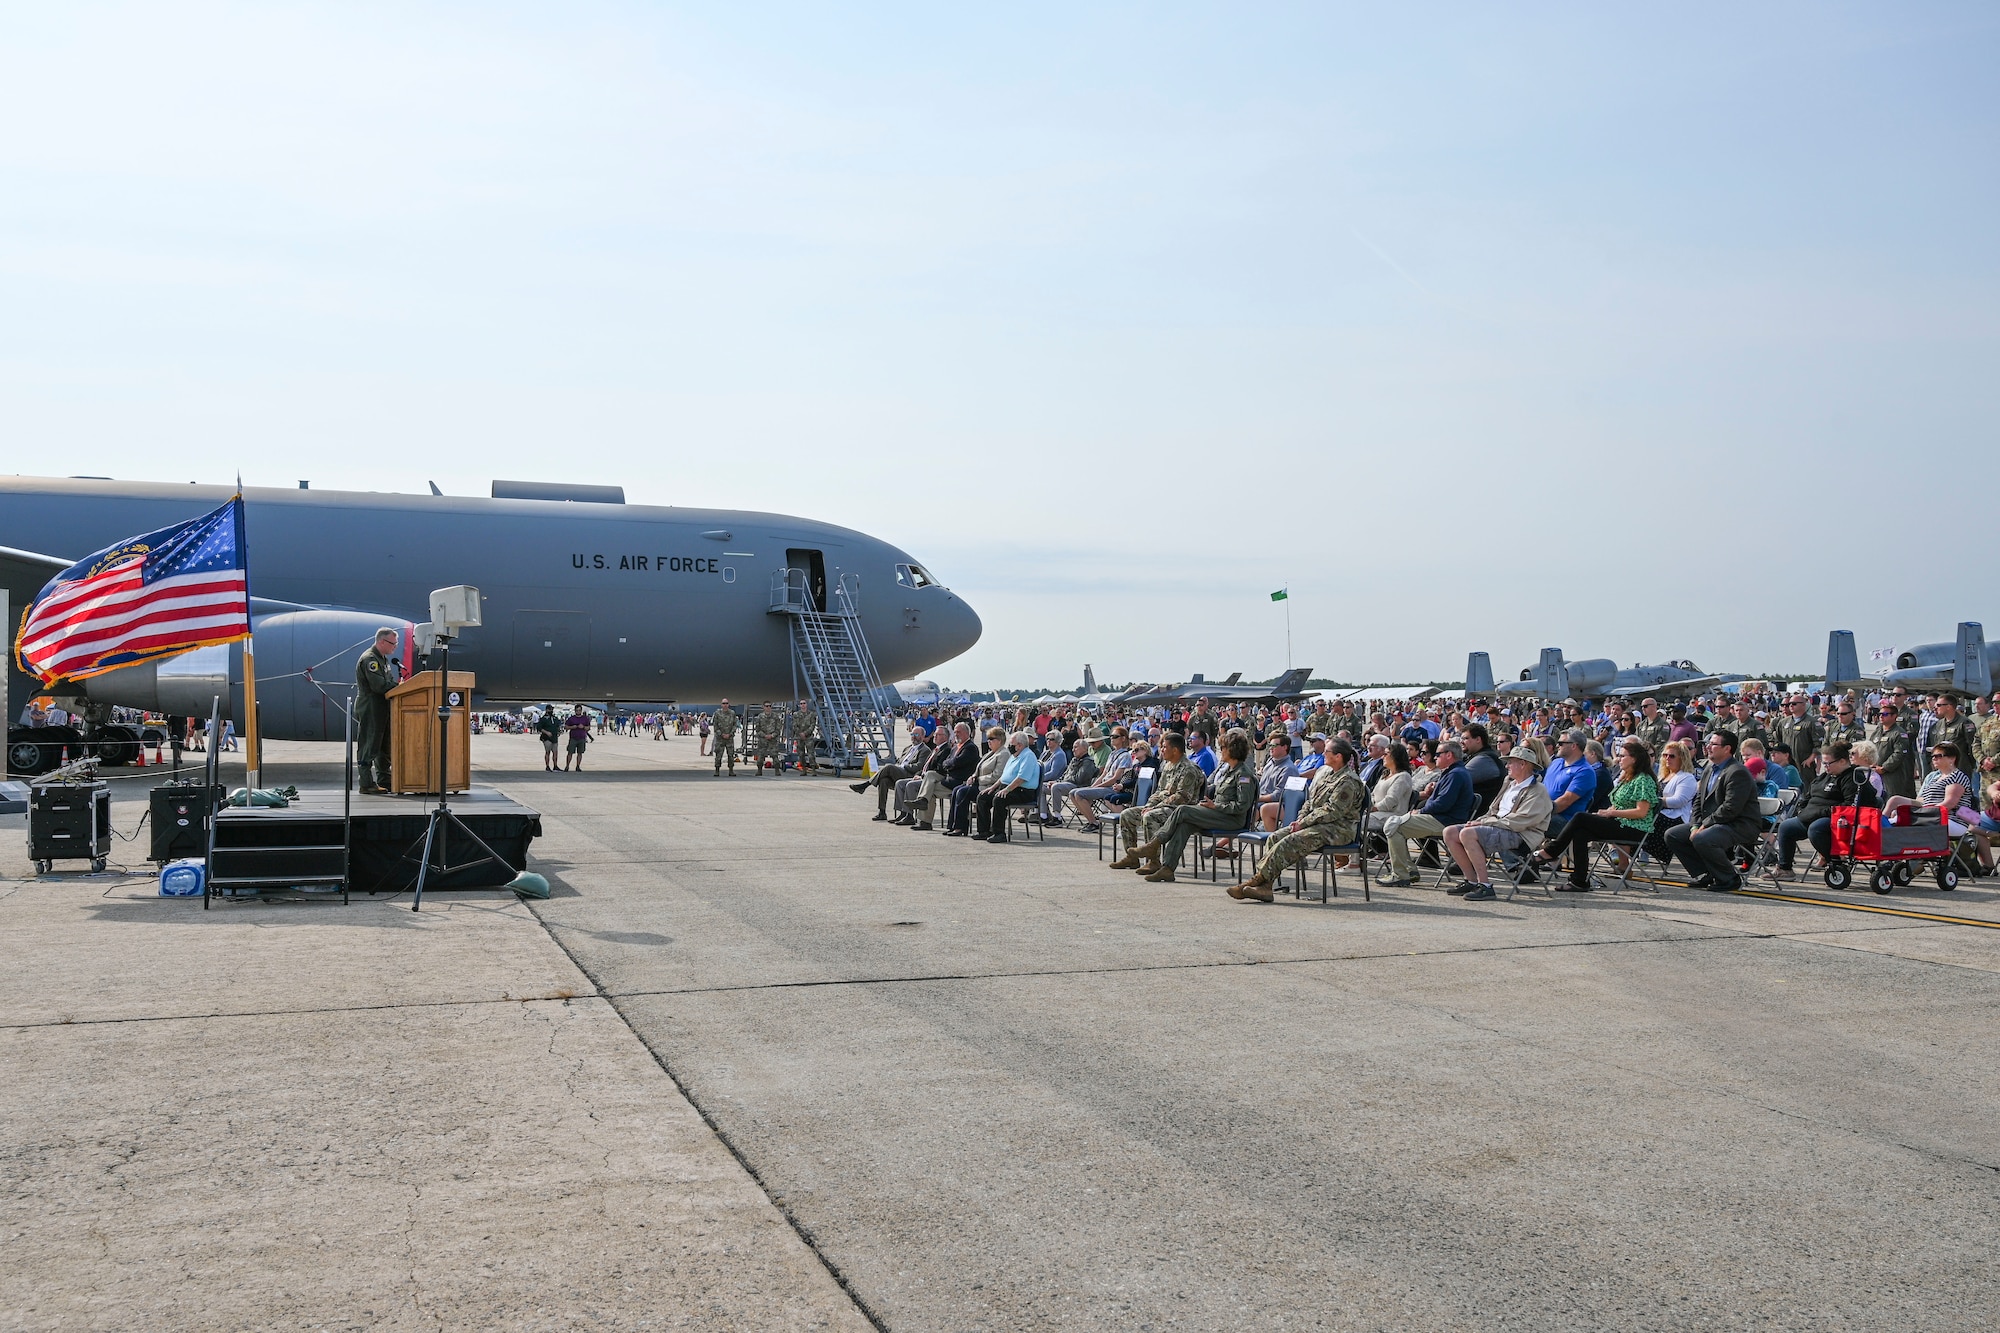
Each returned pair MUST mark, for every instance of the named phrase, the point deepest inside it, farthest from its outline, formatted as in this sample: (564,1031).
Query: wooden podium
(413,730)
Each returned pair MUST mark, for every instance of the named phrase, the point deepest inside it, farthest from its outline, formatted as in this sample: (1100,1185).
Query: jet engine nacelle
(1967,666)
(1591,676)
(305,672)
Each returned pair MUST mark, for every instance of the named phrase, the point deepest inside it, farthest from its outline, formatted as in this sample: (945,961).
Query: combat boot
(1255,889)
(1145,857)
(1129,861)
(1163,875)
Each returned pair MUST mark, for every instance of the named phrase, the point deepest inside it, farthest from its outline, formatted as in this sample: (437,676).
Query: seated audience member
(1482,766)
(1517,821)
(1115,779)
(1571,780)
(1178,782)
(1866,758)
(1394,789)
(1606,775)
(1946,790)
(1451,801)
(1081,772)
(1331,817)
(1839,783)
(1019,784)
(1271,778)
(1726,817)
(1630,811)
(915,755)
(984,778)
(1315,755)
(1055,759)
(1231,797)
(1677,789)
(1377,757)
(1200,755)
(952,762)
(1782,769)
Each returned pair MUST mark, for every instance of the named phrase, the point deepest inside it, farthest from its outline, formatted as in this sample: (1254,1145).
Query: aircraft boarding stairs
(830,656)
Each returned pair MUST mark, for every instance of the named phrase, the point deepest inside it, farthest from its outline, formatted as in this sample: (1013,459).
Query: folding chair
(1601,860)
(1142,791)
(1329,873)
(1029,817)
(1293,800)
(1764,853)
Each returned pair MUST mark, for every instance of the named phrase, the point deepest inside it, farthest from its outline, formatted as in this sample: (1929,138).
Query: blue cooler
(182,879)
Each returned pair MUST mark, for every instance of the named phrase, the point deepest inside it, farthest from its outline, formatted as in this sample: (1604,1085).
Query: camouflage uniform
(1178,783)
(1745,731)
(1959,732)
(1234,793)
(1895,752)
(1203,722)
(1331,818)
(1319,721)
(768,729)
(725,737)
(1653,732)
(1851,732)
(805,729)
(1986,733)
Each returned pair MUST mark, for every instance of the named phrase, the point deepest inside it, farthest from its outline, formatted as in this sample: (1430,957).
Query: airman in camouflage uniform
(375,671)
(1320,721)
(1838,728)
(726,723)
(1179,783)
(1203,721)
(1957,729)
(1745,724)
(1331,818)
(1652,729)
(1232,794)
(805,730)
(768,735)
(1986,739)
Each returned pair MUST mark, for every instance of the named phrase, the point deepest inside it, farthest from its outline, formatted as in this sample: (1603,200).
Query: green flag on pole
(1281,594)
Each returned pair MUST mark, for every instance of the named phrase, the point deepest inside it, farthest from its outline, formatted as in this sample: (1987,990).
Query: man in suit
(1725,817)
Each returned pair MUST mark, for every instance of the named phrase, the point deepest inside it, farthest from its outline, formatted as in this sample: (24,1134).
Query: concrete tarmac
(990,1087)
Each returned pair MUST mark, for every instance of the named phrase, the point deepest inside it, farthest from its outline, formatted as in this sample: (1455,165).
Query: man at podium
(374,675)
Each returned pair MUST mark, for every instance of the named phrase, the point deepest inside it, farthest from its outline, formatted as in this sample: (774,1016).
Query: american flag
(151,596)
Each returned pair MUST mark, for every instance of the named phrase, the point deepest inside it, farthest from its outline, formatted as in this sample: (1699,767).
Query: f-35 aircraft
(1285,689)
(1554,679)
(584,597)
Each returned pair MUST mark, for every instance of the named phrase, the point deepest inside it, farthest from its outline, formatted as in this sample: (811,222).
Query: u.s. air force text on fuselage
(664,564)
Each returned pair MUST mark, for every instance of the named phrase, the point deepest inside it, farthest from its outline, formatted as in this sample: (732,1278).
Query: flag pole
(253,756)
(1288,627)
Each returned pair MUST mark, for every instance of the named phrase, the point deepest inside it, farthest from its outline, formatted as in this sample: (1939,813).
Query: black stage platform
(299,844)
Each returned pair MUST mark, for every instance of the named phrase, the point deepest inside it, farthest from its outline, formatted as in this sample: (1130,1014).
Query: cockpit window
(913,576)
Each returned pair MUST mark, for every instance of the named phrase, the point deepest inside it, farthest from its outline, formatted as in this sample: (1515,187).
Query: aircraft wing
(22,574)
(1664,687)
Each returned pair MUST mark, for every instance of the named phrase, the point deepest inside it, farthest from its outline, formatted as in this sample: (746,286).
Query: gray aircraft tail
(1089,680)
(1970,672)
(1478,674)
(1552,676)
(1843,663)
(1292,681)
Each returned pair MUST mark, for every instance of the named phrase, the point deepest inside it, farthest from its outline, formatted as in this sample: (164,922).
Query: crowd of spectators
(1455,788)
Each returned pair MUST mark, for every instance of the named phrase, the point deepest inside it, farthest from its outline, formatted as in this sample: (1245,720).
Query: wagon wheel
(1947,876)
(1905,872)
(1838,875)
(1883,879)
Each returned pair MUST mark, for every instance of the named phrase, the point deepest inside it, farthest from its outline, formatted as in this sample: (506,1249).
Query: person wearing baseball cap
(1571,779)
(1517,822)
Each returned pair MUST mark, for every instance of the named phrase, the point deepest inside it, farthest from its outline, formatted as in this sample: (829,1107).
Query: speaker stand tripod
(438,827)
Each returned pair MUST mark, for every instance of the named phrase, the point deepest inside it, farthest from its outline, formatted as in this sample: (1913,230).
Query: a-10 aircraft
(583,597)
(1966,665)
(1554,679)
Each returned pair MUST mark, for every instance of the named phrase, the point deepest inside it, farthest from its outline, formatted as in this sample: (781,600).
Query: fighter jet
(1967,665)
(584,597)
(1285,689)
(1554,679)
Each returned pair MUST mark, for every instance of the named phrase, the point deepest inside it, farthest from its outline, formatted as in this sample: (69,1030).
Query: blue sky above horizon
(1118,317)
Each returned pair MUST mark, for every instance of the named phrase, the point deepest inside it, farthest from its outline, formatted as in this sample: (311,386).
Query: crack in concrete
(61,1022)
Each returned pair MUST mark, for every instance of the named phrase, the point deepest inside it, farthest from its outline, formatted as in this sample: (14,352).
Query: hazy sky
(1663,333)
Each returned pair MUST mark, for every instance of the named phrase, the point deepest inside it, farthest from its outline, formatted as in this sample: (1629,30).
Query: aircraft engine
(305,672)
(1591,676)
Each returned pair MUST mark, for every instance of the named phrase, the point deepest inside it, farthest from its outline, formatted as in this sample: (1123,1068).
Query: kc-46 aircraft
(1554,679)
(583,596)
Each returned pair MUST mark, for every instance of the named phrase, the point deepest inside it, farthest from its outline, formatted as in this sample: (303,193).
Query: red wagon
(1895,845)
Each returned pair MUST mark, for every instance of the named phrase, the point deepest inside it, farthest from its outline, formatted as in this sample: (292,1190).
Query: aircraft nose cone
(958,628)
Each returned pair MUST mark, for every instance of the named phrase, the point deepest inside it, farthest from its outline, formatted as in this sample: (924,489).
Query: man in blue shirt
(1450,802)
(1312,763)
(1571,779)
(1200,755)
(1020,781)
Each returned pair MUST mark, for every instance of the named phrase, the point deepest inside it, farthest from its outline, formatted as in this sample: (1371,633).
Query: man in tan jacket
(1516,822)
